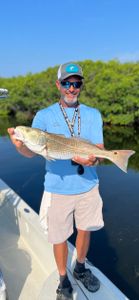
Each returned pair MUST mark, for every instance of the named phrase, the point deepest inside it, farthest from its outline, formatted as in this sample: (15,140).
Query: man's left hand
(90,161)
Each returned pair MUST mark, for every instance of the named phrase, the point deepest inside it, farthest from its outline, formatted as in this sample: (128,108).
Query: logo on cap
(72,69)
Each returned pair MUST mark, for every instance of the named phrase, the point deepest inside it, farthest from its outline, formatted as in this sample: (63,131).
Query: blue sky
(37,34)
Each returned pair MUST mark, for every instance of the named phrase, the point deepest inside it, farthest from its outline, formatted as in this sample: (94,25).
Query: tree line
(112,87)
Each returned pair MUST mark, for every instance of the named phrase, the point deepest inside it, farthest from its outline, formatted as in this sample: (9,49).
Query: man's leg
(60,227)
(61,255)
(90,282)
(64,290)
(82,244)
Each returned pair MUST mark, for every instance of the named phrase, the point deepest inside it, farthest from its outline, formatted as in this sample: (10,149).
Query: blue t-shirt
(61,176)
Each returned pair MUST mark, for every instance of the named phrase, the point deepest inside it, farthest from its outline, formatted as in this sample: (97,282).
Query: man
(70,187)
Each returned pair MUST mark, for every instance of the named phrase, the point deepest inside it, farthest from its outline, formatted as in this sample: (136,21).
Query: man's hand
(90,161)
(18,144)
(21,148)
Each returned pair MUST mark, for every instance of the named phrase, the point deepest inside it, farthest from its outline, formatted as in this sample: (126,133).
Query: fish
(57,146)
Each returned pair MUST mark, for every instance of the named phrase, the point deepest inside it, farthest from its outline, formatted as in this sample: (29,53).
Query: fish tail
(120,158)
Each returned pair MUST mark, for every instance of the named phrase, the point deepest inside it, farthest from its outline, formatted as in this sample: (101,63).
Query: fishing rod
(3,93)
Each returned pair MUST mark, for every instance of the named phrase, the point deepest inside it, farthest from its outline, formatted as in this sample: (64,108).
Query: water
(114,249)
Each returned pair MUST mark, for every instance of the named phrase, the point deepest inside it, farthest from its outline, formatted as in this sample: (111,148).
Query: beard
(70,102)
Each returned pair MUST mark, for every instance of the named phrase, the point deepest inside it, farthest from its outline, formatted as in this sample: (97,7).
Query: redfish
(56,146)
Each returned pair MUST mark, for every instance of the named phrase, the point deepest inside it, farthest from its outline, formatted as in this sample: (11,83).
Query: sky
(37,34)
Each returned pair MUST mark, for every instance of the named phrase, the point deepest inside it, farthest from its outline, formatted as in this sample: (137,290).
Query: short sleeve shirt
(61,176)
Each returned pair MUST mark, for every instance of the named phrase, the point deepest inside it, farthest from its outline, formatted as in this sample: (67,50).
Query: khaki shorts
(58,212)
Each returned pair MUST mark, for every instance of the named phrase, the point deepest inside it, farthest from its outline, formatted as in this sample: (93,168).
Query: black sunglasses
(68,84)
(80,169)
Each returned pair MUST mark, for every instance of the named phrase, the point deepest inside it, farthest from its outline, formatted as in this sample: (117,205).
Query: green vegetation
(123,137)
(111,87)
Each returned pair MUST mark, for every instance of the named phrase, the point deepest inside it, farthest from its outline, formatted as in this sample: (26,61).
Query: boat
(28,269)
(3,93)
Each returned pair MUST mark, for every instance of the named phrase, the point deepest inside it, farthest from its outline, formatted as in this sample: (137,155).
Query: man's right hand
(18,144)
(21,148)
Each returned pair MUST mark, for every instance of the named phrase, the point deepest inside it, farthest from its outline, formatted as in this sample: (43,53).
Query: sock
(79,267)
(64,281)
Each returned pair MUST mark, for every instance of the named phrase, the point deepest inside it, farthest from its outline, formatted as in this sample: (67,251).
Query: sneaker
(64,293)
(90,282)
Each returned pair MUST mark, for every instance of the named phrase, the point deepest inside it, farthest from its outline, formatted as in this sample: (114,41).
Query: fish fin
(55,134)
(45,154)
(63,135)
(120,158)
(49,158)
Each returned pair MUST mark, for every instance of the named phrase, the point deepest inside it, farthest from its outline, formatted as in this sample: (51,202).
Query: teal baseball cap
(69,69)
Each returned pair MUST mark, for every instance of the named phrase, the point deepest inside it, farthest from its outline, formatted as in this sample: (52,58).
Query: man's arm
(21,148)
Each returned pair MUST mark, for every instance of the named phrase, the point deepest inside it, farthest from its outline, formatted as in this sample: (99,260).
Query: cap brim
(71,74)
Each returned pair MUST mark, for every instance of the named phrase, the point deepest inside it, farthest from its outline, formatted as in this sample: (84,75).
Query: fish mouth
(18,135)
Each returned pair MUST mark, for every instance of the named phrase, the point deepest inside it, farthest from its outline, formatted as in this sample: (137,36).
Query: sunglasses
(80,169)
(68,84)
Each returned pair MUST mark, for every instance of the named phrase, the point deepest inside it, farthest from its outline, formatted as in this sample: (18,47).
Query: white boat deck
(26,257)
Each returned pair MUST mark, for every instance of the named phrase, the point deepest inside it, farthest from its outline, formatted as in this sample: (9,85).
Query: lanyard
(72,123)
(80,169)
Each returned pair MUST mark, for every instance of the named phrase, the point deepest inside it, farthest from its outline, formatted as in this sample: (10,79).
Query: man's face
(69,89)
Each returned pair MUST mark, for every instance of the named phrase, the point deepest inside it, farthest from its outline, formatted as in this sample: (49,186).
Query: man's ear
(58,84)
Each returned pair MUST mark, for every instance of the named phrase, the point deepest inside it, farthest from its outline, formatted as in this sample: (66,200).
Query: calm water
(114,249)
